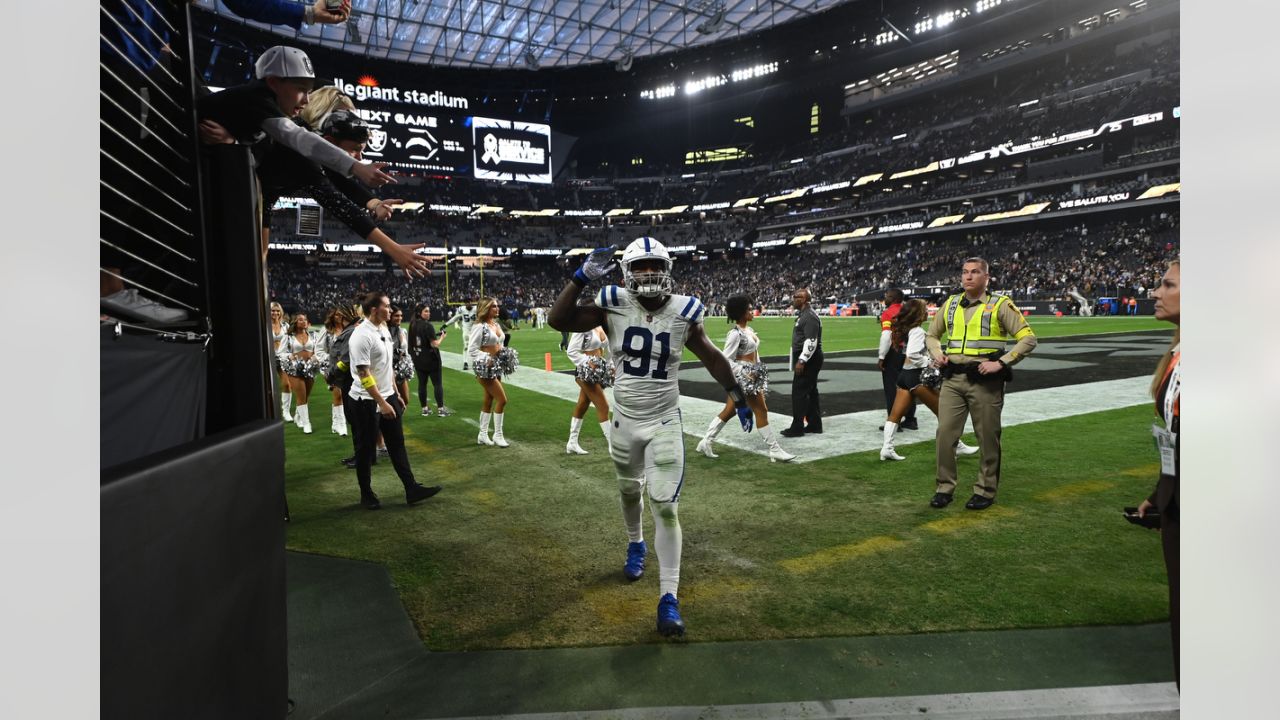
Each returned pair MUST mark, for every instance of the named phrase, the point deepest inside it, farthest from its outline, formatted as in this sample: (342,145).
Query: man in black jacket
(806,354)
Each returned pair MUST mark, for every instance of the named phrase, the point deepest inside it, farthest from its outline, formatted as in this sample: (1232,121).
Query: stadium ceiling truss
(535,34)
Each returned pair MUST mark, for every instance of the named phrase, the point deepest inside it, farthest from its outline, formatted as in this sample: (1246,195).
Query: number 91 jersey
(646,347)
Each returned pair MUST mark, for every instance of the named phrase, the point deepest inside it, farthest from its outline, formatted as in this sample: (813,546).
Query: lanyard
(1173,388)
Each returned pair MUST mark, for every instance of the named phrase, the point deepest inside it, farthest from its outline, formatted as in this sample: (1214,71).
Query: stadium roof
(536,34)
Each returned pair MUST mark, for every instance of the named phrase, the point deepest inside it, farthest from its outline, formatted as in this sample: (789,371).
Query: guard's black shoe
(349,461)
(909,424)
(940,500)
(416,493)
(370,501)
(813,430)
(791,432)
(977,502)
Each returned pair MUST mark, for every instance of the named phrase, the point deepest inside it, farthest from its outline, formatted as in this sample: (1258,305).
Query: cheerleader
(742,348)
(279,331)
(593,375)
(907,334)
(486,354)
(402,363)
(297,357)
(334,323)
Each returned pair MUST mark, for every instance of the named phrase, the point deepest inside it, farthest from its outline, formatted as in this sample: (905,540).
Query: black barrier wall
(192,498)
(193,609)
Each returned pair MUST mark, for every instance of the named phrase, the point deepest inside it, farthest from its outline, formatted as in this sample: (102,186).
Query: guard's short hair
(371,301)
(894,295)
(985,268)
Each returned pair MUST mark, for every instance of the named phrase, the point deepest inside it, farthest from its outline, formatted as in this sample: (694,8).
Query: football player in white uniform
(464,317)
(648,329)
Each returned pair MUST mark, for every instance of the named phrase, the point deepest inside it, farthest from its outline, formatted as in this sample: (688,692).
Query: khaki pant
(959,398)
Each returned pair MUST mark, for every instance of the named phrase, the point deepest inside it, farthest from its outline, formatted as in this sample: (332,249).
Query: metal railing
(149,199)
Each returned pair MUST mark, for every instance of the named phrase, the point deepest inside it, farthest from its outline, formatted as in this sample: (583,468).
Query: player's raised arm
(566,314)
(721,370)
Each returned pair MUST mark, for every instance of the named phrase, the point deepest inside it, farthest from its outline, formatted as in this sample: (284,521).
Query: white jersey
(582,345)
(646,347)
(290,346)
(740,344)
(484,335)
(917,355)
(464,318)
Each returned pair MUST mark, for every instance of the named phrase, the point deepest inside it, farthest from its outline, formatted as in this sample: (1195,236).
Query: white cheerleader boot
(303,415)
(497,431)
(286,399)
(886,450)
(572,447)
(704,445)
(776,453)
(339,421)
(483,437)
(962,449)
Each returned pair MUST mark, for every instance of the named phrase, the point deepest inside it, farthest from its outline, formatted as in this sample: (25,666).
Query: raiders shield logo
(377,139)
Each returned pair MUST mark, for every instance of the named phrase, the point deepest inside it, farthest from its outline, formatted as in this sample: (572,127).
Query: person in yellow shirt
(978,325)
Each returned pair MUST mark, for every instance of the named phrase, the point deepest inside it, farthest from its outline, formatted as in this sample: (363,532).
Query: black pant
(804,396)
(366,422)
(433,374)
(1169,543)
(893,362)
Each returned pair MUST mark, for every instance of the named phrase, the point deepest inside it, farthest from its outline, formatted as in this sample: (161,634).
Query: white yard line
(1154,701)
(857,432)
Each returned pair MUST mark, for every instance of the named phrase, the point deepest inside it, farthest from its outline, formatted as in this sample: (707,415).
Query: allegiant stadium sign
(394,94)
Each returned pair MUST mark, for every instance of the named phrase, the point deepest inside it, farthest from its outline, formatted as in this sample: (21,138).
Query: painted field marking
(857,432)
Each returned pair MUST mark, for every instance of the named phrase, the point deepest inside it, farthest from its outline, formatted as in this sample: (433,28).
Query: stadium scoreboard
(433,132)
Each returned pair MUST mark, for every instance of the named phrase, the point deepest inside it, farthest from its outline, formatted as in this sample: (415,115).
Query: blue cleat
(669,622)
(635,560)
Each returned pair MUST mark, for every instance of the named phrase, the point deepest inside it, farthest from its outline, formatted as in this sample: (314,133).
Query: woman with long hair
(279,331)
(593,374)
(742,348)
(482,350)
(297,357)
(334,323)
(907,334)
(1166,390)
(402,365)
(424,347)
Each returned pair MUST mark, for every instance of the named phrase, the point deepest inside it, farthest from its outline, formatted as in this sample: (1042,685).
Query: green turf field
(524,547)
(775,335)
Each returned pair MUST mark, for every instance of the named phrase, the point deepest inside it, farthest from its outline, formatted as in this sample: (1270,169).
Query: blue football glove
(599,263)
(745,415)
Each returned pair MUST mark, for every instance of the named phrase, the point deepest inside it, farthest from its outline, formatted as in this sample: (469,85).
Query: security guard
(978,325)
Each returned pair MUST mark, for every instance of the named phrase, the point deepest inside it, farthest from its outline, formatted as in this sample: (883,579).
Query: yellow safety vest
(982,335)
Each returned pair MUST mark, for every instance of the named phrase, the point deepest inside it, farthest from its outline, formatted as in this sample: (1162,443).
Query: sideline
(857,432)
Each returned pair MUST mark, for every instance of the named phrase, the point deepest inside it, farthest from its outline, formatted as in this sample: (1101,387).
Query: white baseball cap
(285,62)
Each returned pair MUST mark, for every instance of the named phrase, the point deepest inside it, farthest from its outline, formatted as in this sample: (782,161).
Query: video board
(434,132)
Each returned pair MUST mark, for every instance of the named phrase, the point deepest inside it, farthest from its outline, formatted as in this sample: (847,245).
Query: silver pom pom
(931,377)
(404,368)
(595,371)
(753,377)
(305,369)
(486,368)
(324,368)
(508,360)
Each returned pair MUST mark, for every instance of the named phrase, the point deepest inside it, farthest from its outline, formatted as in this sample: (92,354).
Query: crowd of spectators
(1117,257)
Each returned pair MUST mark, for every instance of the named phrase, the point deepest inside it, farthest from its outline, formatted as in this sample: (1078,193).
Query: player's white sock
(667,543)
(714,428)
(632,496)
